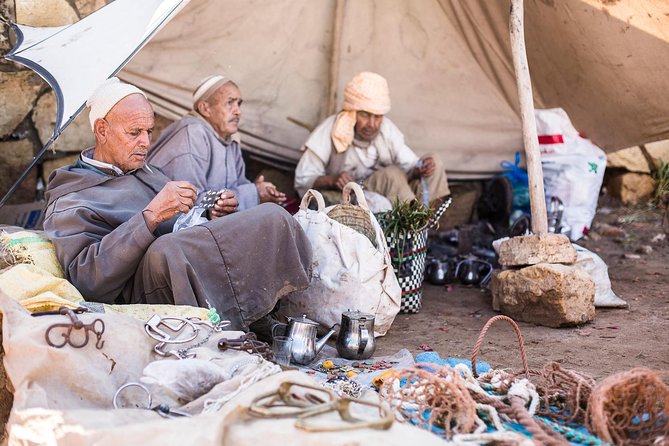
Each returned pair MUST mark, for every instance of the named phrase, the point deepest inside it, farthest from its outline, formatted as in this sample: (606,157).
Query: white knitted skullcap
(108,94)
(207,87)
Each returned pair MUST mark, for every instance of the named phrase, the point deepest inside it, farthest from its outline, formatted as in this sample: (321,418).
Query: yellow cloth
(37,289)
(365,92)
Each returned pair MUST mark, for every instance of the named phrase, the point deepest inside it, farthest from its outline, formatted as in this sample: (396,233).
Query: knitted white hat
(207,87)
(108,94)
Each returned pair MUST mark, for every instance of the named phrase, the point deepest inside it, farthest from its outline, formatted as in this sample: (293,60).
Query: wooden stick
(530,139)
(335,56)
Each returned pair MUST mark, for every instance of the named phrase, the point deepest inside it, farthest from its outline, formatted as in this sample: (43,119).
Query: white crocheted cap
(108,94)
(207,87)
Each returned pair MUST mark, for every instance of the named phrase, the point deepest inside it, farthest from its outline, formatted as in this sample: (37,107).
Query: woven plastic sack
(349,272)
(32,247)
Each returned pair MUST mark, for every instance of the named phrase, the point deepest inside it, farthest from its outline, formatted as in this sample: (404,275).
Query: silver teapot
(356,335)
(303,331)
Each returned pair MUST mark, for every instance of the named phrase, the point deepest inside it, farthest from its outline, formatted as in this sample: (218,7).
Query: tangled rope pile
(630,408)
(432,397)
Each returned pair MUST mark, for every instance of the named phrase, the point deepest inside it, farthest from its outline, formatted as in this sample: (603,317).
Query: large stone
(547,294)
(50,165)
(18,91)
(536,248)
(76,136)
(630,159)
(630,187)
(14,158)
(659,151)
(45,12)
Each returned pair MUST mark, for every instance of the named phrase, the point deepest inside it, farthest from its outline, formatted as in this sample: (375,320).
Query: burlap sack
(64,396)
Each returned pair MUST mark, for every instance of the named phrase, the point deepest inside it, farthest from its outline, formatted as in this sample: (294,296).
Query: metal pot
(356,335)
(303,331)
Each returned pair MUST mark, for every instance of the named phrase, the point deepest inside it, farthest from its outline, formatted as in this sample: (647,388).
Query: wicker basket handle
(359,195)
(431,223)
(312,193)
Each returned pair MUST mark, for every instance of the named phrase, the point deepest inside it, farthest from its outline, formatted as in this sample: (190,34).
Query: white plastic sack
(592,264)
(573,169)
(349,273)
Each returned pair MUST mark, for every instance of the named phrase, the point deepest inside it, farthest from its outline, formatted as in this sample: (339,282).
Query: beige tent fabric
(448,64)
(64,396)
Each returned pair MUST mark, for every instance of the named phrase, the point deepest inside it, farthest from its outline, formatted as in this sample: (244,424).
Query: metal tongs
(305,401)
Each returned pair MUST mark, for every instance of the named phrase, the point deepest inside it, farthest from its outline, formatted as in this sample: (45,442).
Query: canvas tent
(448,63)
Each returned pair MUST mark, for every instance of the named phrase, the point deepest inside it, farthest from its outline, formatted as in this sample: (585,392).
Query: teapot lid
(303,319)
(357,314)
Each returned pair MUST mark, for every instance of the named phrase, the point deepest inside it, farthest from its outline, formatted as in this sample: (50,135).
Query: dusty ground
(616,340)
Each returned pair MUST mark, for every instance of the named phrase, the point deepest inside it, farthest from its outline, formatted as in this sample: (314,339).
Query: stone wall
(28,108)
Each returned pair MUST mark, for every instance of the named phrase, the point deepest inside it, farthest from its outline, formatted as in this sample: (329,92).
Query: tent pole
(530,139)
(27,170)
(340,7)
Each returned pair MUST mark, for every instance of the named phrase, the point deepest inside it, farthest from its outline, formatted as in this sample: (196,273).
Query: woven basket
(355,218)
(407,254)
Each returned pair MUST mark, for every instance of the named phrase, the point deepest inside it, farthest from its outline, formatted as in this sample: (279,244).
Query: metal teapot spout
(321,342)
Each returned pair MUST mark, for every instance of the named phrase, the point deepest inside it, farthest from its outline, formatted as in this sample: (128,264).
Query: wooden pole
(335,56)
(530,139)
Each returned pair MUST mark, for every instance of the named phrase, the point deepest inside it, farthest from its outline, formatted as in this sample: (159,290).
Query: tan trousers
(392,183)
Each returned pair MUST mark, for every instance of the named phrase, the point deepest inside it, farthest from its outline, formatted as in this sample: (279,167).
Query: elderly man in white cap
(203,148)
(361,144)
(111,216)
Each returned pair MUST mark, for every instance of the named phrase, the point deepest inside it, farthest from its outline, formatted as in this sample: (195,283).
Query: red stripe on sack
(551,139)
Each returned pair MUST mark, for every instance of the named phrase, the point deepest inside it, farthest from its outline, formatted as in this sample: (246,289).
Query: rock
(14,158)
(645,249)
(609,230)
(659,150)
(594,236)
(45,12)
(18,91)
(532,249)
(547,294)
(629,256)
(659,238)
(86,7)
(76,136)
(630,159)
(49,166)
(631,188)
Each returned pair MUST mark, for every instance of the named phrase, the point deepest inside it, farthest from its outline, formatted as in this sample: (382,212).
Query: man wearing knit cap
(361,144)
(203,148)
(111,218)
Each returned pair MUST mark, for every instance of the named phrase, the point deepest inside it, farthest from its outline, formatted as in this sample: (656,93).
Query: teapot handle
(364,337)
(275,326)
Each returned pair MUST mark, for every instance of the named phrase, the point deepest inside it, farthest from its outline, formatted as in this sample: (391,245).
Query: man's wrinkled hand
(342,180)
(175,197)
(225,204)
(427,168)
(267,192)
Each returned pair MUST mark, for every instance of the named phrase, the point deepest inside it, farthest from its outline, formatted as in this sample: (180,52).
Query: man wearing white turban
(111,216)
(203,147)
(361,144)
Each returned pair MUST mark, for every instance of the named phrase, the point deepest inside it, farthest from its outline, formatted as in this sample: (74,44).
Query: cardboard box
(28,216)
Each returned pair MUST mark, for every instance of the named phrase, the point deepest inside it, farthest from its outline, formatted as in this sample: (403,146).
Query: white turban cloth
(107,95)
(207,87)
(365,92)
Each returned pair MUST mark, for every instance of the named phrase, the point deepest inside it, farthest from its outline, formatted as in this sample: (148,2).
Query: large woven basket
(356,218)
(407,254)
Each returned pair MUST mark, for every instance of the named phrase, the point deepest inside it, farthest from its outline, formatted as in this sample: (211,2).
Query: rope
(479,341)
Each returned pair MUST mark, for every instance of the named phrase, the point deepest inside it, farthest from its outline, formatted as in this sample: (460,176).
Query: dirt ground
(617,339)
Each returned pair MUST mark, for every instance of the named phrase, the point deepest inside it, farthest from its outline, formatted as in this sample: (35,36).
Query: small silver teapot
(356,335)
(304,331)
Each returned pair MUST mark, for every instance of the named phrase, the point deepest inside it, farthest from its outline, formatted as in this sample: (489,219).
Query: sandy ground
(617,340)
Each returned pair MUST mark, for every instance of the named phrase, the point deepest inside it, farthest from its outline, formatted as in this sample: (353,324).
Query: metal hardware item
(305,401)
(473,272)
(555,211)
(152,327)
(247,343)
(162,409)
(356,335)
(97,327)
(304,331)
(439,272)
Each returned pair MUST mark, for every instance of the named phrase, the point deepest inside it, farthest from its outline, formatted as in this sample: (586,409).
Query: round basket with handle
(407,254)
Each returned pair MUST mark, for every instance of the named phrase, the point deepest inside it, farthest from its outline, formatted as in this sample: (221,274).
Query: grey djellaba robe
(241,264)
(191,150)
